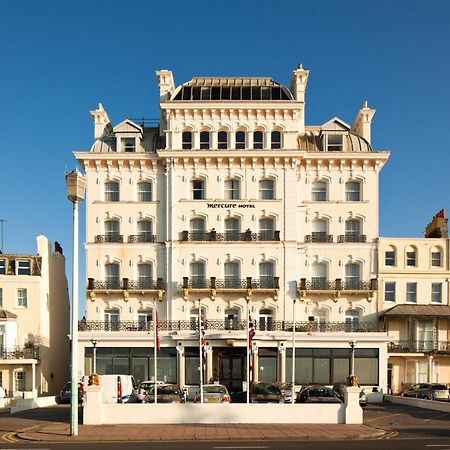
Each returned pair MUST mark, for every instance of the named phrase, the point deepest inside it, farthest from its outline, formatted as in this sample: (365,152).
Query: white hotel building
(231,201)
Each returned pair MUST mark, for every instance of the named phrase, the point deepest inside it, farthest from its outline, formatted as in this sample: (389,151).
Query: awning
(404,311)
(4,314)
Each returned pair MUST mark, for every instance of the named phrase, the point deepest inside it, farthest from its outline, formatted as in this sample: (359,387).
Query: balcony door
(266,320)
(424,336)
(112,319)
(232,275)
(112,276)
(232,229)
(352,276)
(319,276)
(319,231)
(232,319)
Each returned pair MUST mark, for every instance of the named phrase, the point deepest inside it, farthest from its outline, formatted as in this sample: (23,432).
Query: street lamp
(94,342)
(76,184)
(352,380)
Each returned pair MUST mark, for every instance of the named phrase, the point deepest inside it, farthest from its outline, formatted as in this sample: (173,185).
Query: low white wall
(21,404)
(434,405)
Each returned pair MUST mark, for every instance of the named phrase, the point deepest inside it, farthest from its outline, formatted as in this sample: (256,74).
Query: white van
(116,388)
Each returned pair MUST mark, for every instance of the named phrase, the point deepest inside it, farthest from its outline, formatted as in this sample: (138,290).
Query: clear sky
(60,58)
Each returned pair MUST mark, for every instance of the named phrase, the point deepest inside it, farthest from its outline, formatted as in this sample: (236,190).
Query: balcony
(137,238)
(125,285)
(232,325)
(350,237)
(321,237)
(104,238)
(16,352)
(428,346)
(321,286)
(246,236)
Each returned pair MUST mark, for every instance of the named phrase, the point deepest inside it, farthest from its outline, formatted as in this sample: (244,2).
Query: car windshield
(266,389)
(321,393)
(214,389)
(146,386)
(166,390)
(439,387)
(285,386)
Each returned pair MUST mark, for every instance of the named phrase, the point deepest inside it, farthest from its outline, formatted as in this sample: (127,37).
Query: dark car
(339,389)
(166,393)
(431,391)
(318,394)
(265,393)
(66,393)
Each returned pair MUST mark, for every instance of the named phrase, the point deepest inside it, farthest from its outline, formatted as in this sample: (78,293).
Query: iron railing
(133,238)
(102,238)
(232,325)
(337,285)
(231,236)
(230,283)
(125,284)
(16,352)
(319,237)
(413,346)
(343,238)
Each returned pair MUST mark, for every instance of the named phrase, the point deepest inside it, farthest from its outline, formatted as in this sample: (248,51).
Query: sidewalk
(59,432)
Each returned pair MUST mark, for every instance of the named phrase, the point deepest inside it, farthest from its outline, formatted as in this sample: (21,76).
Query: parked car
(261,392)
(430,391)
(318,394)
(286,390)
(165,393)
(65,393)
(144,387)
(339,389)
(116,388)
(214,393)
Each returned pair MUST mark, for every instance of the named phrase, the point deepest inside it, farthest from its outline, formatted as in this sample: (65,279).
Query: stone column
(282,365)
(181,367)
(353,412)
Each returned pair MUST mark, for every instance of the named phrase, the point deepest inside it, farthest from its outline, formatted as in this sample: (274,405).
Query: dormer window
(23,267)
(334,142)
(128,144)
(2,266)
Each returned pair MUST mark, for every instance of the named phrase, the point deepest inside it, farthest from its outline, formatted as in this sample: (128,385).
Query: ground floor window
(191,365)
(329,366)
(19,380)
(267,364)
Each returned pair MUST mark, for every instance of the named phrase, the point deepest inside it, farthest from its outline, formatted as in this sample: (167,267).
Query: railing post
(373,284)
(276,282)
(90,284)
(185,235)
(213,235)
(249,282)
(248,234)
(213,282)
(185,282)
(276,235)
(338,284)
(125,284)
(303,284)
(160,283)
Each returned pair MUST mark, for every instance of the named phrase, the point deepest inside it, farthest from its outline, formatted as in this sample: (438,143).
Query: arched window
(232,319)
(351,320)
(319,231)
(112,191)
(319,277)
(352,191)
(232,229)
(197,274)
(232,275)
(258,142)
(198,189)
(411,256)
(436,257)
(112,231)
(353,231)
(266,189)
(275,140)
(112,276)
(320,319)
(232,189)
(265,320)
(197,229)
(319,191)
(240,140)
(112,319)
(186,140)
(266,274)
(145,276)
(204,140)
(390,256)
(222,140)
(145,231)
(352,276)
(145,192)
(266,229)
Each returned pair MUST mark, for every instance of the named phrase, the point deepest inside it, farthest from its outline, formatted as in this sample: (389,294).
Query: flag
(158,342)
(251,332)
(202,339)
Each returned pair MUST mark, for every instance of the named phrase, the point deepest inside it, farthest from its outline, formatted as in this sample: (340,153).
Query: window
(145,192)
(232,319)
(145,276)
(389,257)
(128,144)
(197,229)
(145,317)
(352,276)
(240,140)
(232,229)
(319,231)
(351,320)
(319,192)
(23,267)
(198,189)
(436,259)
(266,190)
(112,275)
(266,229)
(231,272)
(222,140)
(335,142)
(1,297)
(197,273)
(112,231)
(352,230)
(411,292)
(112,317)
(232,190)
(145,230)
(186,138)
(19,380)
(275,140)
(258,140)
(411,258)
(352,191)
(112,191)
(2,266)
(265,320)
(204,140)
(436,292)
(319,276)
(266,274)
(389,291)
(22,300)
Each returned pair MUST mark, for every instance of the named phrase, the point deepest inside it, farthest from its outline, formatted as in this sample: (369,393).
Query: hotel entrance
(229,367)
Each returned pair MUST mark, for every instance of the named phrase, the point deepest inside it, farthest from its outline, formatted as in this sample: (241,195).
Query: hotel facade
(231,204)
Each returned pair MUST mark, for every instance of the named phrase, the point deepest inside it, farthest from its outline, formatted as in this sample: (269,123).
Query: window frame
(349,192)
(23,270)
(388,258)
(221,144)
(411,294)
(334,146)
(205,144)
(435,292)
(128,144)
(186,144)
(410,259)
(232,189)
(275,144)
(240,144)
(258,144)
(389,292)
(317,193)
(434,259)
(3,266)
(201,191)
(112,196)
(22,298)
(263,191)
(143,193)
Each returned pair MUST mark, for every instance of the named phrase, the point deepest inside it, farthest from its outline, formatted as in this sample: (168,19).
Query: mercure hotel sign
(230,205)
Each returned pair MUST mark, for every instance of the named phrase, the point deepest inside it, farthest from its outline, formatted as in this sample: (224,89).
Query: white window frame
(201,190)
(186,144)
(389,258)
(265,190)
(19,381)
(232,189)
(411,292)
(334,146)
(145,191)
(24,266)
(436,261)
(205,145)
(128,144)
(258,144)
(222,145)
(436,292)
(22,298)
(240,145)
(410,259)
(351,193)
(2,266)
(319,191)
(112,195)
(274,144)
(389,291)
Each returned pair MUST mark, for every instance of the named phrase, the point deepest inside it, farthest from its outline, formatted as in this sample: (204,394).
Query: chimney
(363,122)
(101,122)
(438,227)
(165,83)
(298,83)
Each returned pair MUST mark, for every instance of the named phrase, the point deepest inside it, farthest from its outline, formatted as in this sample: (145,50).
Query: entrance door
(231,366)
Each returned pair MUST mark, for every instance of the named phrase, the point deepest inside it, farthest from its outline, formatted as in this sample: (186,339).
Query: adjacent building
(230,205)
(34,321)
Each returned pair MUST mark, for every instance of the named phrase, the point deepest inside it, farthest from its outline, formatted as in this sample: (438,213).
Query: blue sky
(59,59)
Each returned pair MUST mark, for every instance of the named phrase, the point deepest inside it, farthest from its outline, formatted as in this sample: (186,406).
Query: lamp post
(352,381)
(76,184)
(94,342)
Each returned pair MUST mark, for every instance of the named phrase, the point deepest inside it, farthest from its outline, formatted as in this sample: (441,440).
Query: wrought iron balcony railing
(16,352)
(134,238)
(337,285)
(232,325)
(125,284)
(102,238)
(319,237)
(230,283)
(231,236)
(350,237)
(413,346)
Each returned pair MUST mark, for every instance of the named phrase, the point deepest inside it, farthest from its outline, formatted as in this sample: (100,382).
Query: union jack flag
(251,332)
(158,342)
(202,338)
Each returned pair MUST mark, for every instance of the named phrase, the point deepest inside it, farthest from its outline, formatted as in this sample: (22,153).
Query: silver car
(214,393)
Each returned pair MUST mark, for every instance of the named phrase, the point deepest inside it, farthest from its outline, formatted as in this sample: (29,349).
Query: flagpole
(293,352)
(155,350)
(248,356)
(200,325)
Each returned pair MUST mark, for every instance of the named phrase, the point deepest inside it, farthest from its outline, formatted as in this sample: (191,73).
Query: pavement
(60,432)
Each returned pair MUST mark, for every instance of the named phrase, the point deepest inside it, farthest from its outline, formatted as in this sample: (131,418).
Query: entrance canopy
(404,311)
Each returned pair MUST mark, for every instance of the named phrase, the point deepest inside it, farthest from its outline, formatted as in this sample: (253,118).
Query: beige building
(34,321)
(230,201)
(415,305)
